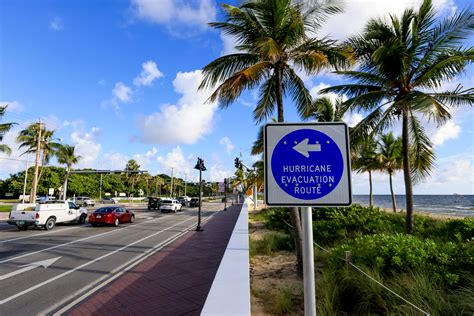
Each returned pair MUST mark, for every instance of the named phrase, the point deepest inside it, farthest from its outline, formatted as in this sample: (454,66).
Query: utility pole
(185,184)
(26,179)
(38,153)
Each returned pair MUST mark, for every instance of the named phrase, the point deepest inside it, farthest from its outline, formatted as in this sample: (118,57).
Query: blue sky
(118,80)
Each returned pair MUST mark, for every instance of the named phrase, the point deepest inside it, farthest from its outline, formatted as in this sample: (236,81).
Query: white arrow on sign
(30,266)
(304,148)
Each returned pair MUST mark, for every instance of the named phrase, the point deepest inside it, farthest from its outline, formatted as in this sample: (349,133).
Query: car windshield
(105,210)
(166,202)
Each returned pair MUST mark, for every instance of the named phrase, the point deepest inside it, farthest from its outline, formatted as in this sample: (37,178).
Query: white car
(170,205)
(84,201)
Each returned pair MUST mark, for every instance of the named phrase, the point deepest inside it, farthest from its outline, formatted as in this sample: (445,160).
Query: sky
(118,79)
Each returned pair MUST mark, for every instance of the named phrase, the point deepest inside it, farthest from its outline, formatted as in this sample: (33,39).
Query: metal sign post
(200,166)
(307,165)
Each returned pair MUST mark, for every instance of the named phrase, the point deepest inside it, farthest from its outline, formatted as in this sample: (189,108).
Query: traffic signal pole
(200,166)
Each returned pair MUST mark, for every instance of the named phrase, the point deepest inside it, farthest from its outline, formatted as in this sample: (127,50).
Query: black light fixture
(200,166)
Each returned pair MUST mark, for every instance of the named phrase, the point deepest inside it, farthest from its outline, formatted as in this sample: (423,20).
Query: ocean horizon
(444,204)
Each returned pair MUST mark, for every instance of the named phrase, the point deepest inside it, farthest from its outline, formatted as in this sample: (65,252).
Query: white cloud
(228,44)
(149,73)
(314,91)
(56,24)
(218,172)
(352,119)
(185,122)
(16,161)
(177,16)
(448,131)
(114,161)
(229,147)
(122,92)
(175,159)
(357,13)
(13,106)
(87,147)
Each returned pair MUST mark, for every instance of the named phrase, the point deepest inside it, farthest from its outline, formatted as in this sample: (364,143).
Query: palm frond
(266,100)
(5,149)
(456,97)
(297,90)
(422,156)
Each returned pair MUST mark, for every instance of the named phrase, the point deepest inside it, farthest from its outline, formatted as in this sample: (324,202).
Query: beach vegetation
(432,268)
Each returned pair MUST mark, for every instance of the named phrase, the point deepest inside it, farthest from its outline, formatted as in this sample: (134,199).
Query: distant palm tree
(131,169)
(390,159)
(364,159)
(402,64)
(4,128)
(325,110)
(27,138)
(66,156)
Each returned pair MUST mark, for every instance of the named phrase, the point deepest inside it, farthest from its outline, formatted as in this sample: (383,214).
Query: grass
(283,300)
(270,244)
(9,200)
(5,208)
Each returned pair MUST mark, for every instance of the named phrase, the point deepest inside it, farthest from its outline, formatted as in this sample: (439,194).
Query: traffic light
(200,165)
(237,163)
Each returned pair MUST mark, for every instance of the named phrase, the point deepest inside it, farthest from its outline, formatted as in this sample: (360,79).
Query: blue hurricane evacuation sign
(307,164)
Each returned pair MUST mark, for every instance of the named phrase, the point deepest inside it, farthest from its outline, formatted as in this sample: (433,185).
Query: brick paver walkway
(174,281)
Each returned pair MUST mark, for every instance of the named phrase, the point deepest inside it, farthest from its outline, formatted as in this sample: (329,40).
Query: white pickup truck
(46,214)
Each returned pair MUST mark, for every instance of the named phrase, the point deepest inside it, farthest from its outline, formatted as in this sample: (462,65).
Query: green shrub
(283,300)
(400,253)
(271,243)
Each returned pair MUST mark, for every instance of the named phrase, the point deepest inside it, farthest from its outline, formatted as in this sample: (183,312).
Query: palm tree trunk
(394,203)
(294,212)
(371,198)
(65,184)
(407,174)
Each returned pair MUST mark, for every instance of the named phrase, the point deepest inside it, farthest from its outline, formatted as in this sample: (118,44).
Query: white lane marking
(30,266)
(40,234)
(78,240)
(114,274)
(59,276)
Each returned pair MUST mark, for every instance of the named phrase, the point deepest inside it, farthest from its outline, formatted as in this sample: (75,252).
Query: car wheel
(50,223)
(94,225)
(148,208)
(174,210)
(132,219)
(25,227)
(117,222)
(82,219)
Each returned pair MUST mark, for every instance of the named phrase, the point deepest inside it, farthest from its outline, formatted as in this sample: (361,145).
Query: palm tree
(364,159)
(159,181)
(4,128)
(131,169)
(27,139)
(272,39)
(402,65)
(66,156)
(390,159)
(324,110)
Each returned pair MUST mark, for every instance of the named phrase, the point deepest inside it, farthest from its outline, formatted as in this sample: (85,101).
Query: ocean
(453,205)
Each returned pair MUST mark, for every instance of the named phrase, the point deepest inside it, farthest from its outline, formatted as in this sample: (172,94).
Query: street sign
(221,187)
(307,164)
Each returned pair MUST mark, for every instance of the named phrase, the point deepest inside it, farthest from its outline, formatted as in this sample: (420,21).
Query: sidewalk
(174,281)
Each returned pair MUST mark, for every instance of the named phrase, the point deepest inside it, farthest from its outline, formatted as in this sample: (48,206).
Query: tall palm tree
(66,156)
(4,128)
(364,159)
(390,159)
(402,65)
(272,37)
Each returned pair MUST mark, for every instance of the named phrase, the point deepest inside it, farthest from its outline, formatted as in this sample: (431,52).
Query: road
(42,271)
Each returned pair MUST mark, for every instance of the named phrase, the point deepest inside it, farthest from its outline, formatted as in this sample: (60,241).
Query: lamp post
(200,166)
(225,194)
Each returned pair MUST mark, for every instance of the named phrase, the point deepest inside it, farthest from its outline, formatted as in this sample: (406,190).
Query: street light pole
(225,194)
(200,166)
(38,153)
(185,184)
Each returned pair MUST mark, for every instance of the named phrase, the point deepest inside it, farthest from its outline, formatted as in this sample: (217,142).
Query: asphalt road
(80,257)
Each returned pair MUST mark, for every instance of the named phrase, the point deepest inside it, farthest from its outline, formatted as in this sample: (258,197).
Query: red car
(111,215)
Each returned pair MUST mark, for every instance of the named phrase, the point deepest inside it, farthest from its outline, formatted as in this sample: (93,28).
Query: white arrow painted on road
(304,148)
(30,266)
